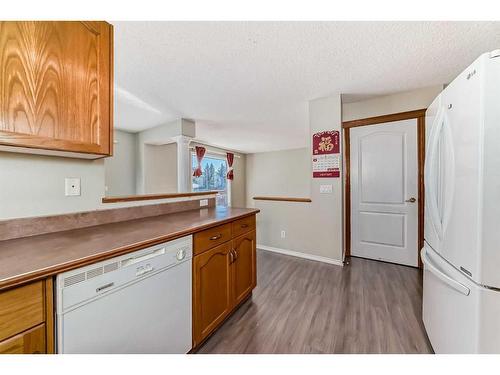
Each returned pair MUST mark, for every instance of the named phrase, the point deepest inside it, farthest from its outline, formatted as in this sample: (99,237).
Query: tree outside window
(213,177)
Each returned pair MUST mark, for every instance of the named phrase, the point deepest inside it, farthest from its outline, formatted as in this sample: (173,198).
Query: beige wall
(278,173)
(160,168)
(314,229)
(158,135)
(384,105)
(281,173)
(33,185)
(120,169)
(238,185)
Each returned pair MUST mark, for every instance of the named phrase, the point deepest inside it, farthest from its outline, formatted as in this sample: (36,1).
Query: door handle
(101,288)
(411,200)
(214,238)
(458,286)
(231,255)
(235,255)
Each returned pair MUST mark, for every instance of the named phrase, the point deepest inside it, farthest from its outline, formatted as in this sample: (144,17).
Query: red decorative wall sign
(327,142)
(326,154)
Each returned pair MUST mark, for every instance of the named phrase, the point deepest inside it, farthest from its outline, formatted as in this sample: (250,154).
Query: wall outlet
(72,187)
(283,234)
(203,202)
(326,189)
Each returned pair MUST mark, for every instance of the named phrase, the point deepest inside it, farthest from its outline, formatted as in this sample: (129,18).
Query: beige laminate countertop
(32,258)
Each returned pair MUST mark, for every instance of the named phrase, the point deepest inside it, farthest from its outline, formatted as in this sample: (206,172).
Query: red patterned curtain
(200,152)
(230,159)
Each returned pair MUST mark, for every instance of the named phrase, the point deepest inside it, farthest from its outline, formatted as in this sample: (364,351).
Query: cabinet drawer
(243,225)
(212,237)
(28,342)
(21,308)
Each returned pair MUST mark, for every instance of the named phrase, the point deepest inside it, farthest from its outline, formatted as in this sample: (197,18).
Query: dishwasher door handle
(130,261)
(101,288)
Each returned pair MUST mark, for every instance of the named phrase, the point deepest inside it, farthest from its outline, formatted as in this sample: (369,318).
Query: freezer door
(450,306)
(459,315)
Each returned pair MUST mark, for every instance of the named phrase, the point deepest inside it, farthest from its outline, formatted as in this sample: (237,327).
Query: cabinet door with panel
(244,266)
(212,295)
(27,318)
(30,342)
(56,87)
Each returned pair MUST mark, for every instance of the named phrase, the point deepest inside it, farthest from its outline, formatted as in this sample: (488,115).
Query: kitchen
(128,191)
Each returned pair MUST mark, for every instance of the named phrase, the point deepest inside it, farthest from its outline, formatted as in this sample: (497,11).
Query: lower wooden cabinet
(27,319)
(223,277)
(31,341)
(212,296)
(243,267)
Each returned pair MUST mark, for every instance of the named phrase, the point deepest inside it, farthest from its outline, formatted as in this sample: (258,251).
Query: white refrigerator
(461,255)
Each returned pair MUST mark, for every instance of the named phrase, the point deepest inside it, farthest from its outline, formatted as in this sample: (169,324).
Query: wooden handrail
(145,197)
(283,199)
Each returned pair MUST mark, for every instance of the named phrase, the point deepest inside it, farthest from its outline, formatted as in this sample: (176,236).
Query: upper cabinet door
(56,87)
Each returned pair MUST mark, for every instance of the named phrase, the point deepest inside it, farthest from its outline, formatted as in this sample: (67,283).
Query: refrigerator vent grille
(75,279)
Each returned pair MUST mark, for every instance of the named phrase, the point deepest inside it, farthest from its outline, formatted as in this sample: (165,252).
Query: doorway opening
(382,225)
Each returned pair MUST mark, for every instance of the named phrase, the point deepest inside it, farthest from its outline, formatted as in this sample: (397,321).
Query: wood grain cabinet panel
(243,225)
(244,266)
(21,308)
(212,295)
(223,276)
(30,342)
(211,237)
(56,87)
(27,318)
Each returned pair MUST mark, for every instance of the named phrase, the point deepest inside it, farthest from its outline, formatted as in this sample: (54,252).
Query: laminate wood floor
(302,306)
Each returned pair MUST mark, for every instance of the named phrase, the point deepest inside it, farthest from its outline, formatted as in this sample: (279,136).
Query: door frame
(419,115)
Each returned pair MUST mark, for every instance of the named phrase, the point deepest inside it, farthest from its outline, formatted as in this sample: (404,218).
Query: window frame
(212,155)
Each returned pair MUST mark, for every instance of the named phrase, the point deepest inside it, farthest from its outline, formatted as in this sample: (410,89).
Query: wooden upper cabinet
(56,87)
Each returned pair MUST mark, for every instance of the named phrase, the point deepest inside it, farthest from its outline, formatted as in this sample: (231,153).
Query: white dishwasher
(135,303)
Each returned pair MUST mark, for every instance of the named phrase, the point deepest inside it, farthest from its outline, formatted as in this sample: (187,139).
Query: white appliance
(134,303)
(461,255)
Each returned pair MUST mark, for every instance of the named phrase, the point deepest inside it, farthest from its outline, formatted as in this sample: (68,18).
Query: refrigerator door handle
(449,181)
(459,287)
(430,178)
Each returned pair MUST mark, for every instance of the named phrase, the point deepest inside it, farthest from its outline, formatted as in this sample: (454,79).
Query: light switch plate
(203,202)
(72,186)
(325,189)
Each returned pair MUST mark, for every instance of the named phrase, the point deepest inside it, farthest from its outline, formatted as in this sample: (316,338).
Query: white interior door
(384,192)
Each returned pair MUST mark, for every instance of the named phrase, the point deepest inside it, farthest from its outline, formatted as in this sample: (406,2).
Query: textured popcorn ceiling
(247,84)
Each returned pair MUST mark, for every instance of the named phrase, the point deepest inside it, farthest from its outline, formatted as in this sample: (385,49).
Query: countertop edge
(52,271)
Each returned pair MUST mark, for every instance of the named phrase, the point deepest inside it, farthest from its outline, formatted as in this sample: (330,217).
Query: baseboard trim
(298,254)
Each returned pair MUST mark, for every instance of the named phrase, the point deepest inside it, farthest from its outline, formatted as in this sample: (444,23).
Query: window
(213,178)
